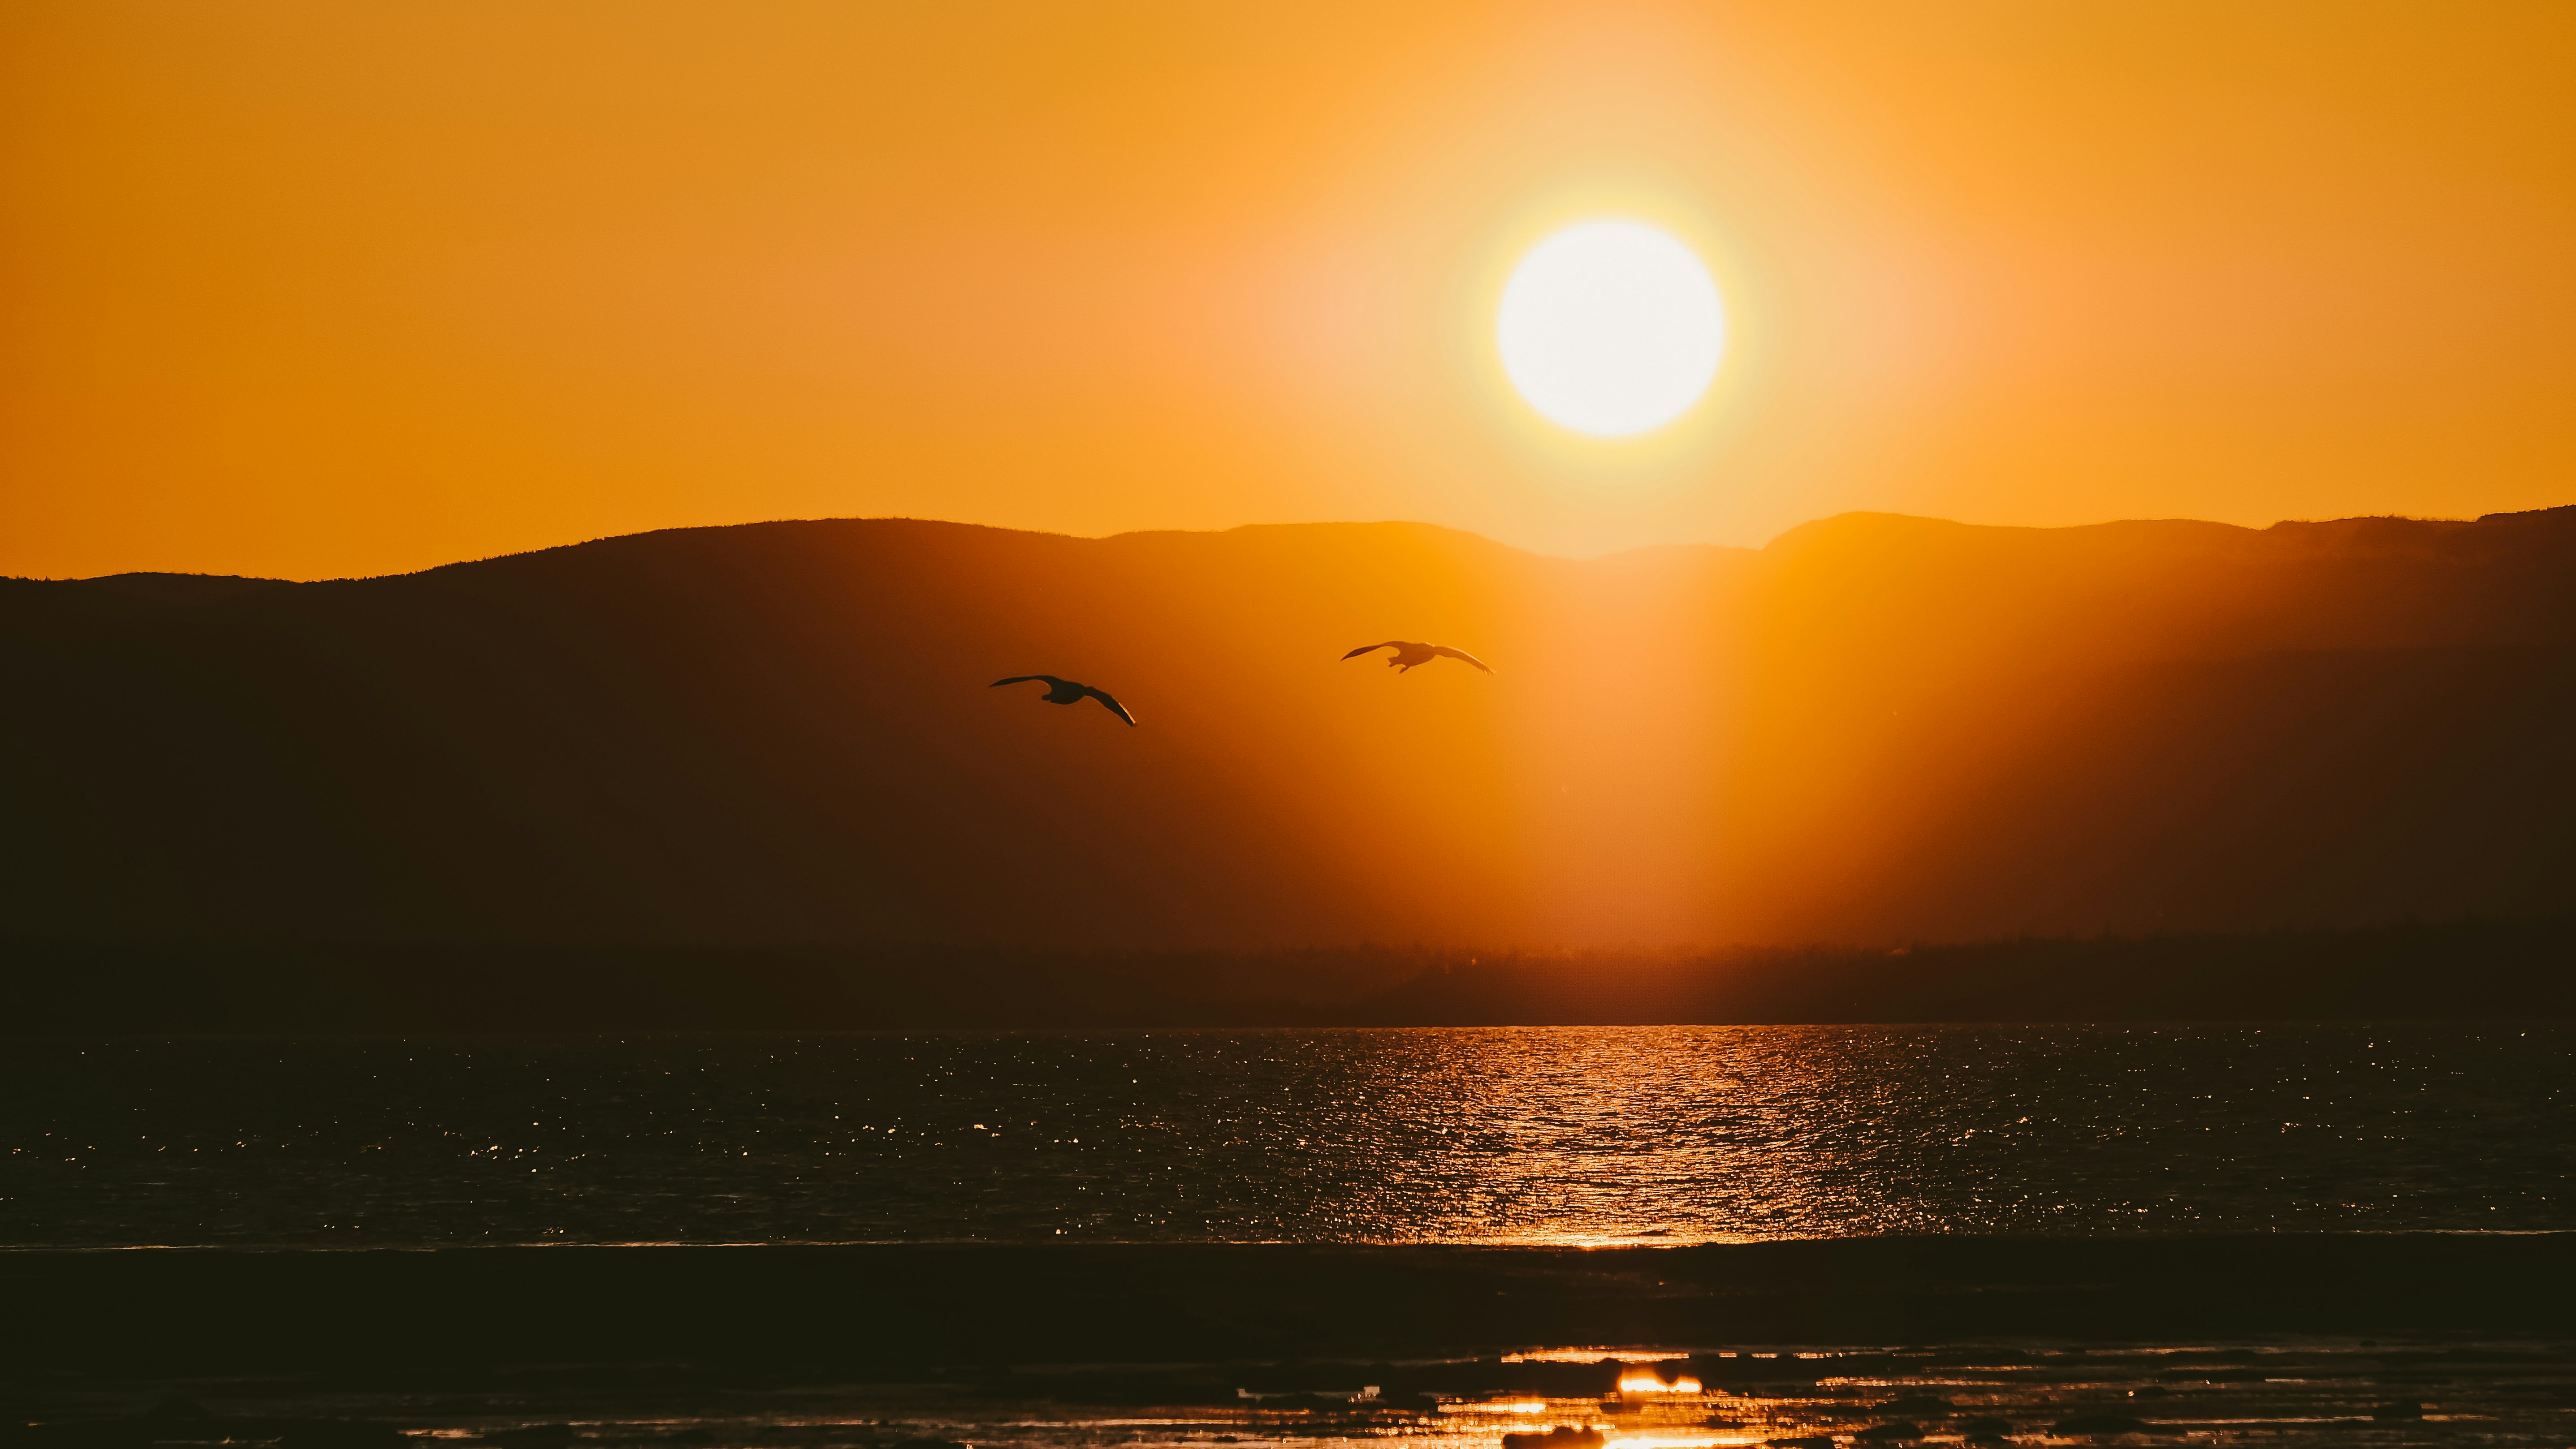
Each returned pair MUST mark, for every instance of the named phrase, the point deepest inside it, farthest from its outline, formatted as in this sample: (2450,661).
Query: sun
(1611,328)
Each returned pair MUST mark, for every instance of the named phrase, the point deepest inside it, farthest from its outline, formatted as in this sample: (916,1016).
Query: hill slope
(1877,728)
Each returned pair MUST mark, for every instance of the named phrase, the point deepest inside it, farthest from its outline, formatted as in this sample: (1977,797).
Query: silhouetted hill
(2465,970)
(1877,729)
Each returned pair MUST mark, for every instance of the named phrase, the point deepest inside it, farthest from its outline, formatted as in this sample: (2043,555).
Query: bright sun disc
(1611,328)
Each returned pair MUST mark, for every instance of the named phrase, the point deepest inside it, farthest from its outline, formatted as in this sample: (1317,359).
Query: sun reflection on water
(1579,1136)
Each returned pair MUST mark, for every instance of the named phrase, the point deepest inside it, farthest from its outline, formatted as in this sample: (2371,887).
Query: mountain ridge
(153,577)
(1874,729)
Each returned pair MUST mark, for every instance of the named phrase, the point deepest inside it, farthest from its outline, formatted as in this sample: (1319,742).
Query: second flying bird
(1408,654)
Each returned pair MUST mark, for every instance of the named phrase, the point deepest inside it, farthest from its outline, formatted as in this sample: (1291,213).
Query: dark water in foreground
(1560,1135)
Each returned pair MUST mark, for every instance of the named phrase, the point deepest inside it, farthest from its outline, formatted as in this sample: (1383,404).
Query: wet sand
(2279,1340)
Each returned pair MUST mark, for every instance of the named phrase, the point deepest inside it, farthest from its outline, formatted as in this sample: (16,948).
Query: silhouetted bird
(1065,691)
(1408,655)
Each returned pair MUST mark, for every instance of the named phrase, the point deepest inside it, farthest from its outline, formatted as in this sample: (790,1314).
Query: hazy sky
(316,289)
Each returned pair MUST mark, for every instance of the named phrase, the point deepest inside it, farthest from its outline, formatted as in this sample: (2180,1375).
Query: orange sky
(317,289)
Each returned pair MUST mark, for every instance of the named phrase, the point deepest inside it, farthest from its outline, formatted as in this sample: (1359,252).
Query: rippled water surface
(1561,1135)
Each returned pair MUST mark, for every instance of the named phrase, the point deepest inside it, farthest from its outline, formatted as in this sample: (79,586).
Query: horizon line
(1774,540)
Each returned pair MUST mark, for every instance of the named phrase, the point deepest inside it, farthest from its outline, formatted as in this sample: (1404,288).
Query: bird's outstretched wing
(1021,679)
(1365,648)
(1462,654)
(1115,707)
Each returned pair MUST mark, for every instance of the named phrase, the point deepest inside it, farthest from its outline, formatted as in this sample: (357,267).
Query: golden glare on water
(1611,328)
(1644,1383)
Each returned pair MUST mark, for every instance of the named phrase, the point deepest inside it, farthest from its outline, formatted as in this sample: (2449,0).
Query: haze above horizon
(317,289)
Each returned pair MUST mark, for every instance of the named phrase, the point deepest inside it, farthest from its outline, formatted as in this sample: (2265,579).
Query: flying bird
(1407,654)
(1065,691)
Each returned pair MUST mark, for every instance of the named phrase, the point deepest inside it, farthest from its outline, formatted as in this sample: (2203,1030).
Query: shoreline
(909,1306)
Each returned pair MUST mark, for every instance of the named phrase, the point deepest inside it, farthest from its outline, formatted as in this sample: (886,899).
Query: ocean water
(1504,1136)
(1366,1136)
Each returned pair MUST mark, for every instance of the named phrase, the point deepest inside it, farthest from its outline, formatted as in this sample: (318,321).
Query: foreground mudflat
(2435,1392)
(2285,1340)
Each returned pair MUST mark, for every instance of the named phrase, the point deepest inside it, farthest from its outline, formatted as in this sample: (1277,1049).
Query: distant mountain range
(1876,730)
(2453,970)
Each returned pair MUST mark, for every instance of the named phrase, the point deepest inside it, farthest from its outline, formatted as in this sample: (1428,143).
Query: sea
(1557,1136)
(1510,1145)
